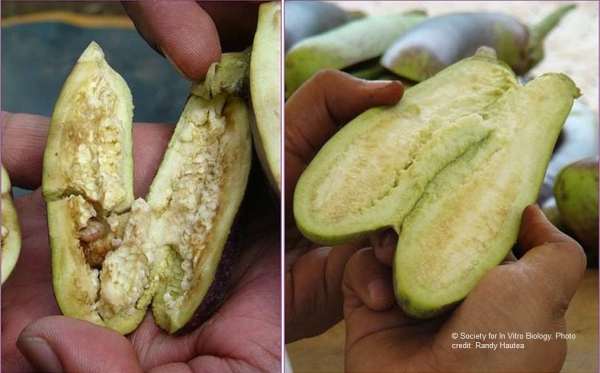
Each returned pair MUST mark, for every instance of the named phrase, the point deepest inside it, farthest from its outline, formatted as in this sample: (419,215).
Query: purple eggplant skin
(441,41)
(308,18)
(578,140)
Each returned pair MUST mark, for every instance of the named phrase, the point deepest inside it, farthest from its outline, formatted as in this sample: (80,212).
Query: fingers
(384,246)
(235,21)
(313,294)
(23,143)
(554,261)
(368,281)
(316,110)
(181,30)
(59,343)
(537,230)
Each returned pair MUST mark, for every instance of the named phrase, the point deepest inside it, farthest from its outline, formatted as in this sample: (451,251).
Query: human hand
(242,335)
(191,34)
(526,295)
(314,274)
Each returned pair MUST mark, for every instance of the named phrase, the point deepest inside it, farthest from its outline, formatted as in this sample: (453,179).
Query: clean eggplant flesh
(11,231)
(450,168)
(443,40)
(308,18)
(265,91)
(344,46)
(88,184)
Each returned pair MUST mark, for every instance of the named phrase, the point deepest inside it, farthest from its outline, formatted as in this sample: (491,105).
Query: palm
(506,300)
(28,295)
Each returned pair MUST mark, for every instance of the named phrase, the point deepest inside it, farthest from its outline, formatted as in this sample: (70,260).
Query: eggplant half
(265,91)
(450,168)
(11,232)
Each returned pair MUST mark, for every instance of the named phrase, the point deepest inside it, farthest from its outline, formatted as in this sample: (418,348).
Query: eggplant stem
(540,30)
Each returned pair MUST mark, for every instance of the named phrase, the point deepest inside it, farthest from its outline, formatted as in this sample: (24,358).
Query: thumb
(59,343)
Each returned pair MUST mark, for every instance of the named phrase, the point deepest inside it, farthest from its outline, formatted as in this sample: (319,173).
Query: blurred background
(42,40)
(572,47)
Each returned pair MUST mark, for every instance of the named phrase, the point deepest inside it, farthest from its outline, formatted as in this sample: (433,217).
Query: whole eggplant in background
(576,193)
(308,18)
(345,46)
(443,40)
(578,140)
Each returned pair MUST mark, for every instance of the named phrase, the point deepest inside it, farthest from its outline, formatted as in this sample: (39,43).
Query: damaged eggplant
(450,173)
(11,232)
(441,41)
(111,256)
(265,91)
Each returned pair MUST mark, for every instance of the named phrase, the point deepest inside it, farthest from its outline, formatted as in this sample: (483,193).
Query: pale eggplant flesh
(265,91)
(11,231)
(165,249)
(450,168)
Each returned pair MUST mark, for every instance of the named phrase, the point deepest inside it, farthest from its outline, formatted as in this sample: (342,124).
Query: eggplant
(344,46)
(308,18)
(576,193)
(450,168)
(441,41)
(112,256)
(578,140)
(11,231)
(265,90)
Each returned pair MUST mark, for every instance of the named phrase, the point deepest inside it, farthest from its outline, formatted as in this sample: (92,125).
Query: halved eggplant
(450,168)
(265,91)
(112,256)
(88,183)
(11,232)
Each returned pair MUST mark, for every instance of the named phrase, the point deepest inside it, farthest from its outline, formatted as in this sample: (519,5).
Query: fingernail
(39,353)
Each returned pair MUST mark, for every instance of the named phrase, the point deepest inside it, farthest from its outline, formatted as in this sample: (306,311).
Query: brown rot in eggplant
(443,40)
(11,232)
(111,256)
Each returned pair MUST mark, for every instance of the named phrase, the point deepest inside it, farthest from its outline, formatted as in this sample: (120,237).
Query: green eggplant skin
(450,168)
(345,46)
(11,230)
(576,193)
(265,90)
(441,41)
(308,18)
